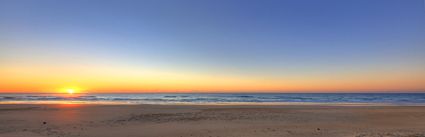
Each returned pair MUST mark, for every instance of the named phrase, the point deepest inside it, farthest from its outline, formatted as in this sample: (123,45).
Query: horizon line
(224,92)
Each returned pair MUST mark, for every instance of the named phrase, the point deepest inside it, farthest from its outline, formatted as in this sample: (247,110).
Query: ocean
(202,98)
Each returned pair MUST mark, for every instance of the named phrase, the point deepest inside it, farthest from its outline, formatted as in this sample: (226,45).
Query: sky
(212,45)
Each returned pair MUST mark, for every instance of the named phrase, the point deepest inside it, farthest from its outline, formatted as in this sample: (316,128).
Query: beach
(311,120)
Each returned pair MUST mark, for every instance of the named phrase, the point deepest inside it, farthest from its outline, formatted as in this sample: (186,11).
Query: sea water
(203,98)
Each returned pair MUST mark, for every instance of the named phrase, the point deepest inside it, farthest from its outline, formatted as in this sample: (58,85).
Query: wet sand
(70,120)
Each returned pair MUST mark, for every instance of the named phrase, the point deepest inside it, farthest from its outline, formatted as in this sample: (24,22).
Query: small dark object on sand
(44,123)
(318,128)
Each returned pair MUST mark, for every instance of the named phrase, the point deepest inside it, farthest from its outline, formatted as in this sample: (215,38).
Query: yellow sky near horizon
(111,79)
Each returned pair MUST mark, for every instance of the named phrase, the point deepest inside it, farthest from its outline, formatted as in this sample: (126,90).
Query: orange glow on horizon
(106,79)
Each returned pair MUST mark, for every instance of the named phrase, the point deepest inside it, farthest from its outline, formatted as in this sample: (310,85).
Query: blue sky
(251,38)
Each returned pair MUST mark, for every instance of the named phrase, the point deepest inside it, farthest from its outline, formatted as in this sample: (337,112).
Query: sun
(70,91)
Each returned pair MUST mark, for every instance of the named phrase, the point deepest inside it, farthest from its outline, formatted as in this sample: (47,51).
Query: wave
(216,98)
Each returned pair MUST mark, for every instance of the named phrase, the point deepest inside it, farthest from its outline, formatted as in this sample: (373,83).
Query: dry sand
(211,121)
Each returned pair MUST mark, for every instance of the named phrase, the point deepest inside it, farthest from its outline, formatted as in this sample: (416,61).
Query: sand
(211,121)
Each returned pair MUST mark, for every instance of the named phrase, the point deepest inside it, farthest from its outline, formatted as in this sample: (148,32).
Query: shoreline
(208,103)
